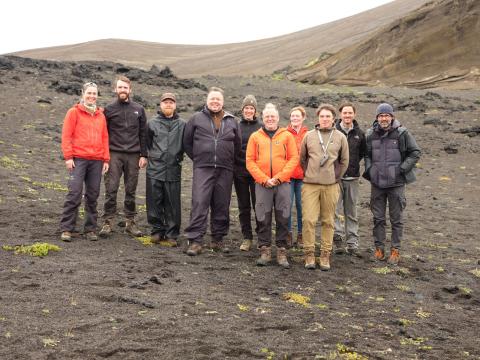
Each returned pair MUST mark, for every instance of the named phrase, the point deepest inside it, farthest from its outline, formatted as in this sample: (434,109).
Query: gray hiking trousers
(395,196)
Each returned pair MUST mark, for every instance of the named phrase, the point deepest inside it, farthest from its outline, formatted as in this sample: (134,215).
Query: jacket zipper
(271,154)
(215,139)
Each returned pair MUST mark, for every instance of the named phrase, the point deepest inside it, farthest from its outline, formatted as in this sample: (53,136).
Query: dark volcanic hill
(434,46)
(255,57)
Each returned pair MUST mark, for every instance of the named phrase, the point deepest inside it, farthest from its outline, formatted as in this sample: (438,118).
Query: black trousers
(90,173)
(211,189)
(126,164)
(245,189)
(164,207)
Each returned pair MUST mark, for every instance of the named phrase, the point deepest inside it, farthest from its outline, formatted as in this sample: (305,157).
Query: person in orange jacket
(86,154)
(272,156)
(298,130)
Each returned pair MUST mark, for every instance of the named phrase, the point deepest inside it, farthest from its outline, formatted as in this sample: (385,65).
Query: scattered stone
(6,64)
(65,87)
(434,121)
(46,100)
(156,280)
(421,259)
(451,148)
(452,289)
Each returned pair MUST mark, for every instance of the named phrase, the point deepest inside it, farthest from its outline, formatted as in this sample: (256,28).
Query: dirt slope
(255,57)
(436,45)
(119,299)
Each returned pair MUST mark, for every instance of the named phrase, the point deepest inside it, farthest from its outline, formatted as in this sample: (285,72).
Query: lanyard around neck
(325,148)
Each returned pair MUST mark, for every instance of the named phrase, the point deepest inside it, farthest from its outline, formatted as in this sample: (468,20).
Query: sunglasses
(88,84)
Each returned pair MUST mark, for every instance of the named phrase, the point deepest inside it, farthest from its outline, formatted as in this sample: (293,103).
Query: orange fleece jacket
(274,157)
(85,135)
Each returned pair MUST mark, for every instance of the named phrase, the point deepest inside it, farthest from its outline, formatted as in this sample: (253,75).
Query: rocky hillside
(434,46)
(255,57)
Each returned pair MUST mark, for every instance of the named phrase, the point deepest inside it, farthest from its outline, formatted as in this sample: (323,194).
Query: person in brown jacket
(324,158)
(272,156)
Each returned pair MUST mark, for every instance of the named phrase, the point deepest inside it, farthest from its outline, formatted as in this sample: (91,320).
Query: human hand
(70,164)
(142,162)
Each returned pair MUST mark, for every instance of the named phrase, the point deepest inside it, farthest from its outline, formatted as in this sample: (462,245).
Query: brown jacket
(311,153)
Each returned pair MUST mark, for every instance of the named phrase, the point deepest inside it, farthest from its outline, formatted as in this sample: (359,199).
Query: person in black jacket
(213,141)
(164,171)
(392,153)
(126,122)
(347,202)
(243,181)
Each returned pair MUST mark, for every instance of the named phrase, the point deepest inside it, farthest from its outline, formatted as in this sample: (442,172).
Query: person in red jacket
(86,154)
(298,130)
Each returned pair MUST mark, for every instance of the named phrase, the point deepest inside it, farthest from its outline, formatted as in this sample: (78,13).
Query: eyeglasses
(384,116)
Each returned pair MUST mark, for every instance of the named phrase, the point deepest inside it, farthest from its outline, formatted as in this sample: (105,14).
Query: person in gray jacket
(392,153)
(164,170)
(213,141)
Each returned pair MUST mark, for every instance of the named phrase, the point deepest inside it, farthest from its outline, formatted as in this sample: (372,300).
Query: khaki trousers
(319,201)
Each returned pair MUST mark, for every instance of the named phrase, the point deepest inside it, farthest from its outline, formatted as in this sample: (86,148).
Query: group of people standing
(271,168)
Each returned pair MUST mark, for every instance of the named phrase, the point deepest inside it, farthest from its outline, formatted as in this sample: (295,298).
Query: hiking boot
(394,257)
(379,254)
(219,246)
(246,245)
(131,228)
(265,256)
(157,237)
(309,256)
(338,244)
(91,236)
(66,236)
(299,241)
(289,239)
(194,249)
(170,242)
(353,251)
(282,258)
(324,260)
(106,230)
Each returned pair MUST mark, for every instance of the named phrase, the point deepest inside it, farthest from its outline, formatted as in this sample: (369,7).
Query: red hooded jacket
(85,135)
(298,172)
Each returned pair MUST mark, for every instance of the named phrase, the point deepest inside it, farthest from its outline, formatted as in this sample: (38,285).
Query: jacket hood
(279,130)
(160,115)
(80,107)
(303,129)
(207,112)
(395,125)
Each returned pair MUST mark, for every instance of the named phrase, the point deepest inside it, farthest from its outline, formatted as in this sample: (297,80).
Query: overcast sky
(36,24)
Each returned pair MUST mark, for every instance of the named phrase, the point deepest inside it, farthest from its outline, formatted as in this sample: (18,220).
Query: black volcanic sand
(120,299)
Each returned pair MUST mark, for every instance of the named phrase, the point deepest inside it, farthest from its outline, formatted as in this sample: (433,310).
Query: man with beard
(347,201)
(164,170)
(213,141)
(126,121)
(392,153)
